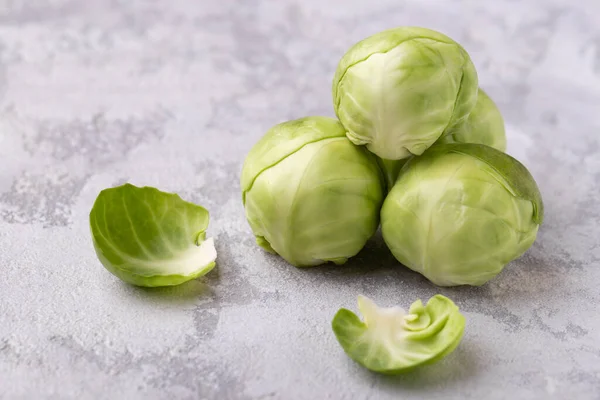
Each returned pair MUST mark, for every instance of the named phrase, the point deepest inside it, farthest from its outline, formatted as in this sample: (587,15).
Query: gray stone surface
(173,94)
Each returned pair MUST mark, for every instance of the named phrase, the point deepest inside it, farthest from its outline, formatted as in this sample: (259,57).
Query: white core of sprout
(185,263)
(385,324)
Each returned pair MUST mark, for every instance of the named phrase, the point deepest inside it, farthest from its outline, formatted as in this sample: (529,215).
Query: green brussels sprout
(460,212)
(390,169)
(399,90)
(391,341)
(151,238)
(309,194)
(484,125)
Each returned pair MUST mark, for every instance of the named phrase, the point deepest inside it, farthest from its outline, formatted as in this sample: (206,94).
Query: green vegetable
(460,212)
(150,238)
(391,341)
(391,169)
(484,125)
(399,90)
(310,195)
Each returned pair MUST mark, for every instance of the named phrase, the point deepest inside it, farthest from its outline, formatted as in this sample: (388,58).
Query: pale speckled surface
(173,94)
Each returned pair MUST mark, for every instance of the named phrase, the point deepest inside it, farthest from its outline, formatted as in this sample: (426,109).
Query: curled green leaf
(151,238)
(392,341)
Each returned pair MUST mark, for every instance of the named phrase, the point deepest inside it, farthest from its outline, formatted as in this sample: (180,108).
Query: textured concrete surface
(173,94)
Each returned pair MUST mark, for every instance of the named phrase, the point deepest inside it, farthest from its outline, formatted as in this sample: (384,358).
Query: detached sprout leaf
(392,341)
(151,238)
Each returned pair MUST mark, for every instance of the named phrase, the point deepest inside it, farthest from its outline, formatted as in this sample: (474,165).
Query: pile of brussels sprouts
(417,148)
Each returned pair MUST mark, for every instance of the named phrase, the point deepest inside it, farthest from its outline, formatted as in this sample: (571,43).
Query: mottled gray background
(173,94)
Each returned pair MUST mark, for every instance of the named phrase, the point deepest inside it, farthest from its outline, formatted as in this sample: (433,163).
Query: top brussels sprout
(310,195)
(460,212)
(399,90)
(151,238)
(484,125)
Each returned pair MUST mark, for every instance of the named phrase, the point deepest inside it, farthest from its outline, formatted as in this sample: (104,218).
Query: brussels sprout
(397,91)
(391,341)
(484,125)
(460,212)
(150,238)
(390,169)
(310,195)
